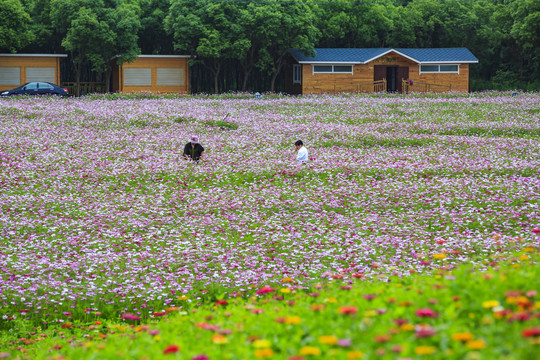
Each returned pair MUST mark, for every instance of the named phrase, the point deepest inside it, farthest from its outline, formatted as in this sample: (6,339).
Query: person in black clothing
(193,149)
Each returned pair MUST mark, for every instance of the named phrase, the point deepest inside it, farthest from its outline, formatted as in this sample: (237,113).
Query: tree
(153,39)
(207,30)
(15,32)
(526,31)
(283,25)
(96,31)
(350,24)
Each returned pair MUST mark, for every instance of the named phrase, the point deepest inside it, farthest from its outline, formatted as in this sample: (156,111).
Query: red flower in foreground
(265,290)
(426,312)
(171,349)
(531,332)
(221,302)
(348,310)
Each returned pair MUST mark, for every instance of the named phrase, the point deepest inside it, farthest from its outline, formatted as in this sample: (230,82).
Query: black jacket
(193,152)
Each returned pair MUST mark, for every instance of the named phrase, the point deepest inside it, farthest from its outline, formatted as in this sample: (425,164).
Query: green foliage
(243,43)
(223,125)
(15,31)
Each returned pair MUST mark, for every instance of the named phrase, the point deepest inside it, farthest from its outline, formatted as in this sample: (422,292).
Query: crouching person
(193,150)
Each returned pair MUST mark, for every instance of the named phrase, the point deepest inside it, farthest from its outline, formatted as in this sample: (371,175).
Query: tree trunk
(78,77)
(279,65)
(107,80)
(245,81)
(217,70)
(247,65)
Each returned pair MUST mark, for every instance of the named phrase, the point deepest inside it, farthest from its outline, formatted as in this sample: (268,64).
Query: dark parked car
(36,88)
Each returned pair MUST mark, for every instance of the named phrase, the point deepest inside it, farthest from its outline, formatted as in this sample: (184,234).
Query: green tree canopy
(15,32)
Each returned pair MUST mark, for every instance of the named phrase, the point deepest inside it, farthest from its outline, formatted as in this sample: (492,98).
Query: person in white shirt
(301,152)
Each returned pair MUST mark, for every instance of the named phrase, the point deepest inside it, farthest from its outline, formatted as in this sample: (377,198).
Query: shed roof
(363,56)
(36,55)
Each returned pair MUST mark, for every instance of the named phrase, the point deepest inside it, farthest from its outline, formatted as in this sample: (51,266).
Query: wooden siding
(365,73)
(152,63)
(24,62)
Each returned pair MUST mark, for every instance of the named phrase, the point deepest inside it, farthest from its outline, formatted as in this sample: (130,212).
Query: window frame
(297,74)
(438,69)
(332,72)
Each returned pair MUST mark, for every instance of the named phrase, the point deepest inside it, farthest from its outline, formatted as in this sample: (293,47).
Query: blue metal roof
(457,55)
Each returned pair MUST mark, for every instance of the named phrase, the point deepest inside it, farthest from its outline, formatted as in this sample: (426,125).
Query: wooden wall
(363,74)
(152,63)
(24,62)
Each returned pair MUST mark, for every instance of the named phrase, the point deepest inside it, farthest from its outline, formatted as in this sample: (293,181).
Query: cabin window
(439,69)
(170,77)
(40,74)
(137,77)
(449,68)
(10,75)
(297,74)
(342,69)
(332,69)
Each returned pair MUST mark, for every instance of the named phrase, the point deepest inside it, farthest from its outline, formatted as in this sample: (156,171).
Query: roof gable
(363,56)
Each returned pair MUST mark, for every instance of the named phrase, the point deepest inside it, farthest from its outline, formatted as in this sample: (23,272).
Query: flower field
(103,224)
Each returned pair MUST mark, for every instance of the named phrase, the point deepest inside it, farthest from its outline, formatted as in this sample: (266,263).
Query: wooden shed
(380,69)
(154,73)
(18,69)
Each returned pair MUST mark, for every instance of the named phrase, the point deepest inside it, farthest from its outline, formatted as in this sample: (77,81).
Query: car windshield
(20,87)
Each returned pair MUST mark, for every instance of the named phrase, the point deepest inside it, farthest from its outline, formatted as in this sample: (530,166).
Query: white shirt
(302,154)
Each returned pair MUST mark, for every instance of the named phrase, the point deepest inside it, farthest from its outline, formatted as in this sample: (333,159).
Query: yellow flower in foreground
(524,257)
(310,350)
(328,339)
(407,327)
(287,280)
(476,344)
(264,353)
(219,339)
(182,298)
(351,355)
(259,344)
(490,304)
(425,350)
(294,320)
(464,336)
(439,256)
(285,290)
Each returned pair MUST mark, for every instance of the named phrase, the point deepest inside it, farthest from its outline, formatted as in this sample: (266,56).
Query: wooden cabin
(375,70)
(19,69)
(154,73)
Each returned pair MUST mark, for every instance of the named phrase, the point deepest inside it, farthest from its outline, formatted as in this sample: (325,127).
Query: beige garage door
(45,74)
(138,77)
(170,76)
(10,75)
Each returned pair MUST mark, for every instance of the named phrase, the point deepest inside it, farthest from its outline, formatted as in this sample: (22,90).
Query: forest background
(240,45)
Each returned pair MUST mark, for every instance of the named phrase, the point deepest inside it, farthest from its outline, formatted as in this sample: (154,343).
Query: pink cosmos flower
(265,290)
(426,312)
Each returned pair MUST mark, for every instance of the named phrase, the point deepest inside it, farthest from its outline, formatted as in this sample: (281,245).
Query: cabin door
(391,78)
(394,76)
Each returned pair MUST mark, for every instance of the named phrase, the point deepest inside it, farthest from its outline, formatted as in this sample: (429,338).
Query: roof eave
(331,62)
(449,62)
(389,51)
